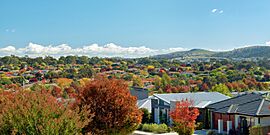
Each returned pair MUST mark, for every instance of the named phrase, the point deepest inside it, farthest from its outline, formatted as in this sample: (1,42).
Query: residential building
(162,104)
(240,112)
(143,100)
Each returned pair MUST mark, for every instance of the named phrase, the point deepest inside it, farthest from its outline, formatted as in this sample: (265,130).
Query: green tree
(146,116)
(157,83)
(165,80)
(137,81)
(86,72)
(221,88)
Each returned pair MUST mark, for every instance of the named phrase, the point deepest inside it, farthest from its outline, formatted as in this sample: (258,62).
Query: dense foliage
(32,113)
(246,52)
(115,110)
(155,128)
(146,116)
(184,117)
(157,75)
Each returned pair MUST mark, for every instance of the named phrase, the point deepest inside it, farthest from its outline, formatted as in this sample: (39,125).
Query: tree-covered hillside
(246,52)
(190,53)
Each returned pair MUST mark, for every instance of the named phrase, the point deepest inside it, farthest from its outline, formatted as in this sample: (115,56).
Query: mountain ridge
(245,52)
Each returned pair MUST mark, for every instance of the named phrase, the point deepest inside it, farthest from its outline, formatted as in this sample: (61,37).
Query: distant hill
(246,52)
(190,53)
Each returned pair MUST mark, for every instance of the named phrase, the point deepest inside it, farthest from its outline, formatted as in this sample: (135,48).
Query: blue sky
(155,24)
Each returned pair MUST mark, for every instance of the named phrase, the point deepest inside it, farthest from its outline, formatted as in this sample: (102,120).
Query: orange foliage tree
(64,82)
(184,117)
(114,108)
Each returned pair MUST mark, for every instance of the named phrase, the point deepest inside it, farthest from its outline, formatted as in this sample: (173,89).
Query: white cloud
(214,10)
(108,50)
(8,50)
(177,49)
(267,43)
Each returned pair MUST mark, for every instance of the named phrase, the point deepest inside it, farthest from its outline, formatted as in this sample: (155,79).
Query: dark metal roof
(252,104)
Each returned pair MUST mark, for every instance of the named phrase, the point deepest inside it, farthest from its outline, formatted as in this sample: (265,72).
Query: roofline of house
(231,98)
(144,103)
(242,114)
(239,104)
(161,98)
(260,107)
(156,95)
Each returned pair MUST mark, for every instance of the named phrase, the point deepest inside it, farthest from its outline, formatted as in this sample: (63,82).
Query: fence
(258,130)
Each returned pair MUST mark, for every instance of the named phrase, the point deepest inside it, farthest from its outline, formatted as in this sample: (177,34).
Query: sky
(130,28)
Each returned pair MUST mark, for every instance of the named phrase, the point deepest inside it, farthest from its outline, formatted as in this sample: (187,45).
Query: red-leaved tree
(115,110)
(184,117)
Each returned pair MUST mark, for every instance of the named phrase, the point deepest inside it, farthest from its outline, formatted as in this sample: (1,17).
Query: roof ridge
(260,107)
(231,107)
(256,99)
(144,103)
(230,98)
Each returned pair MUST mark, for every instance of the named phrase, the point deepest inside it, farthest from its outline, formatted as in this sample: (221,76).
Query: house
(240,112)
(163,103)
(143,100)
(234,94)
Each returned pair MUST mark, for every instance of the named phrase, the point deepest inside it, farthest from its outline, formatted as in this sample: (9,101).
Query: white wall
(265,121)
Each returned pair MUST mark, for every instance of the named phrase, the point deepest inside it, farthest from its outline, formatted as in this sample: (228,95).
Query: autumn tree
(38,112)
(64,82)
(204,87)
(184,117)
(114,107)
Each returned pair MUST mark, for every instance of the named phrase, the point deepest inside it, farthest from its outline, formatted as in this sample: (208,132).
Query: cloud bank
(108,50)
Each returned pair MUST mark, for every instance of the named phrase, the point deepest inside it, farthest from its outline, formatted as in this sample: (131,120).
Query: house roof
(241,93)
(200,99)
(145,103)
(252,104)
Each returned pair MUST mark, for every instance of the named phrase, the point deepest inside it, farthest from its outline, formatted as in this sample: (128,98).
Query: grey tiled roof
(252,104)
(200,99)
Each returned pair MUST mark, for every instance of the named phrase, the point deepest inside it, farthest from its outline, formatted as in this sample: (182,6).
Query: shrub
(199,126)
(155,128)
(212,132)
(114,107)
(5,81)
(259,130)
(146,116)
(38,112)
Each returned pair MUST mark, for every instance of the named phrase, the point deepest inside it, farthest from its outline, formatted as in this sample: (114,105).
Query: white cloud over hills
(108,50)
